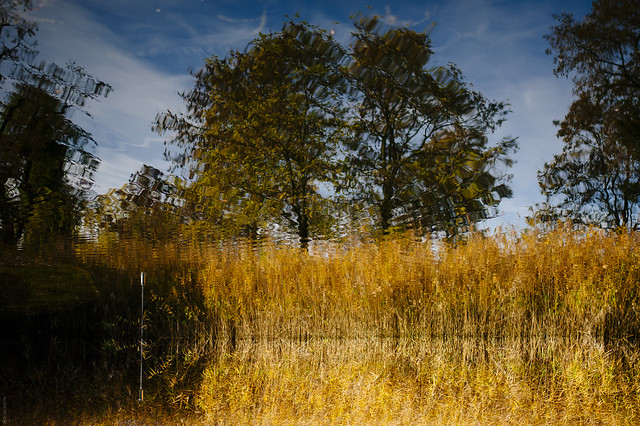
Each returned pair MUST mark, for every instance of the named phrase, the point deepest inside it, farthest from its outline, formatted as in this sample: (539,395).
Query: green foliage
(596,177)
(298,127)
(264,130)
(422,155)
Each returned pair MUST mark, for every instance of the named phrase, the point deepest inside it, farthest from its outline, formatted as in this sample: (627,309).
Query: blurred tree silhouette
(33,164)
(45,165)
(263,130)
(423,155)
(297,122)
(596,178)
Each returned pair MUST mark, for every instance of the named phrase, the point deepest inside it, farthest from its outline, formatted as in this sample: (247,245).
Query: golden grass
(530,328)
(562,284)
(368,381)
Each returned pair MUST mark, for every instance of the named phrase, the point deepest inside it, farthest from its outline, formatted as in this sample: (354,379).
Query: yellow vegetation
(523,328)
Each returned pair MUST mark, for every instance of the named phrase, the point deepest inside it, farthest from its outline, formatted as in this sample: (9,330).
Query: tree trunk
(386,208)
(302,224)
(8,226)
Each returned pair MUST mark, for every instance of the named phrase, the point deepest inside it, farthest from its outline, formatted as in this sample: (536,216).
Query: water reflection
(224,284)
(46,162)
(46,158)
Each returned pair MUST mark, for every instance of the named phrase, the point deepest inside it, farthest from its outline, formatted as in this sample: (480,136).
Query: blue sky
(145,49)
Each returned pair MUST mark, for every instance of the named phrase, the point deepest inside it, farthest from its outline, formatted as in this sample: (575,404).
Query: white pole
(141,395)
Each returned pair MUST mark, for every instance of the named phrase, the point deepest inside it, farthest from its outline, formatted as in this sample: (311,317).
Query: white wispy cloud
(394,20)
(479,32)
(121,123)
(262,20)
(192,39)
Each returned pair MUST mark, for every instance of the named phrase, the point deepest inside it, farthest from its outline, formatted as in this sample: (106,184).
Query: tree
(263,129)
(422,155)
(45,164)
(596,178)
(296,119)
(149,206)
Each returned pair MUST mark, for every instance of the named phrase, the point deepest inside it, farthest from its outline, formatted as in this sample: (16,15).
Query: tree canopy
(267,129)
(422,154)
(46,163)
(596,178)
(283,129)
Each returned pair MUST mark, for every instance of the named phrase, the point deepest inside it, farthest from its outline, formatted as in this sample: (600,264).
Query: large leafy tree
(596,178)
(273,131)
(262,130)
(422,155)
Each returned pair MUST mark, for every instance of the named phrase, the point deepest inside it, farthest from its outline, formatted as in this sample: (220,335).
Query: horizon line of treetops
(303,133)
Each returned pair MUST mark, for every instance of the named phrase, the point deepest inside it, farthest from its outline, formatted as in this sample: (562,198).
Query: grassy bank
(513,328)
(526,328)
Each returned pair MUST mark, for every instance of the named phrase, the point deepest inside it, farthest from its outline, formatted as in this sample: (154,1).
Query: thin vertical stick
(141,395)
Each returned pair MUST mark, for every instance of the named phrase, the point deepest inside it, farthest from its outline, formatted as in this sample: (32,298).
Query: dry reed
(527,327)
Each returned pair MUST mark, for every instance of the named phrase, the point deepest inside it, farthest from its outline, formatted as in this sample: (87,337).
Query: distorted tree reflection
(149,207)
(274,131)
(263,130)
(46,166)
(596,178)
(46,163)
(423,155)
